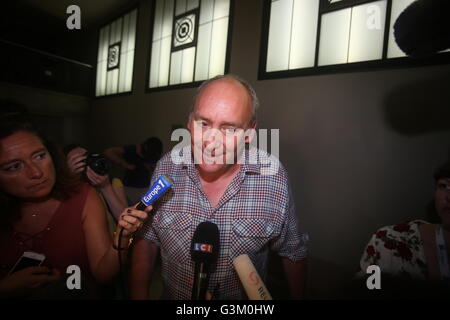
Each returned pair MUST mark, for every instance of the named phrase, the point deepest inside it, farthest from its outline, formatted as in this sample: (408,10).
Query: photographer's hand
(97,180)
(76,160)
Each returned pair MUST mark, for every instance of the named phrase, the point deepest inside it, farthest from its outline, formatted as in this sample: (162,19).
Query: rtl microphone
(204,252)
(250,279)
(161,185)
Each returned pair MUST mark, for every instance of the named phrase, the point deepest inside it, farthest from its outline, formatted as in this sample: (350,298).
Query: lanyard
(442,254)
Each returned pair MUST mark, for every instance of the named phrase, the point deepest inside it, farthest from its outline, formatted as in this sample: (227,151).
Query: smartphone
(28,259)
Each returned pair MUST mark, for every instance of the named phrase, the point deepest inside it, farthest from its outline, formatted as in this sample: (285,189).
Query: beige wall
(359,147)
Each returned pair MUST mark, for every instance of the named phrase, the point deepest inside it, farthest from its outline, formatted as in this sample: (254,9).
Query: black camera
(98,163)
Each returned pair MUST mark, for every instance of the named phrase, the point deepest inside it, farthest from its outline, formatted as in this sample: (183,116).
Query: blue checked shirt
(255,214)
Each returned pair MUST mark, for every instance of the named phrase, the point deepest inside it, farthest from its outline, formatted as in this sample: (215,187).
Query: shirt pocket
(174,232)
(251,236)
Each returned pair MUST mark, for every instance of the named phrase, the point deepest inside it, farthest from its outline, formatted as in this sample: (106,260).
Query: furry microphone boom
(423,28)
(204,252)
(250,279)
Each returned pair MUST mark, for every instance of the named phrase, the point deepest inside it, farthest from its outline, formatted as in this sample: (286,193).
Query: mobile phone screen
(26,262)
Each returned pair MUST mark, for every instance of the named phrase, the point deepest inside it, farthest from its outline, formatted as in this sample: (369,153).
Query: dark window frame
(326,7)
(194,83)
(124,13)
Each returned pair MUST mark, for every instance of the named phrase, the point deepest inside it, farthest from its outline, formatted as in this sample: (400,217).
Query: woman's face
(26,167)
(442,200)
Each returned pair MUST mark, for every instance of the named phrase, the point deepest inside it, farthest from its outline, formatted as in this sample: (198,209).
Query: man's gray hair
(251,92)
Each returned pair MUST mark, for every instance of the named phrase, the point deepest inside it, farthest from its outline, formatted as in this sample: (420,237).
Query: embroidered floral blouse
(397,250)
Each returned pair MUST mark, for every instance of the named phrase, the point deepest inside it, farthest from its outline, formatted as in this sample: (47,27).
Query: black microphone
(423,28)
(204,252)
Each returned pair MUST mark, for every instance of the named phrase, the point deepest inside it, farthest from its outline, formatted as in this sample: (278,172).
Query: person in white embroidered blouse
(415,254)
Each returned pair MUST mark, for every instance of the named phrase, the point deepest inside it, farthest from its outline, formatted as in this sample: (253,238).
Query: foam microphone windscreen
(205,243)
(423,28)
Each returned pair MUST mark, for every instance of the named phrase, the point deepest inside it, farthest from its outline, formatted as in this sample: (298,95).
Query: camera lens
(98,163)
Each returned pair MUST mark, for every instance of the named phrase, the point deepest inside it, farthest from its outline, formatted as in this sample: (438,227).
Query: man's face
(222,113)
(442,200)
(26,167)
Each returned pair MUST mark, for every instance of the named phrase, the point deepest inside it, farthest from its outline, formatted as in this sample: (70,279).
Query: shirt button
(48,229)
(21,243)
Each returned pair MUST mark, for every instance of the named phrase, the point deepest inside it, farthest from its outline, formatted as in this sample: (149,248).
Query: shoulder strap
(442,254)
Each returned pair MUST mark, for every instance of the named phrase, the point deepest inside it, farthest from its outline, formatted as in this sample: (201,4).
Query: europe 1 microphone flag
(161,185)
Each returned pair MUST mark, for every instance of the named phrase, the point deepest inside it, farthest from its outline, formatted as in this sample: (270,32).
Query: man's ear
(189,122)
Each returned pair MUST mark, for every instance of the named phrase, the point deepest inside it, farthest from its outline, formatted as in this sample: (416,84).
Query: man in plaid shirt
(249,201)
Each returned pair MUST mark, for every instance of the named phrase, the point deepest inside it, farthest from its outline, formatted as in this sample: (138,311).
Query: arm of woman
(115,202)
(119,191)
(102,256)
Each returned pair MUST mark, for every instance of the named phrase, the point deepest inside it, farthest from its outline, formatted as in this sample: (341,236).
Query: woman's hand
(96,179)
(76,160)
(24,281)
(132,219)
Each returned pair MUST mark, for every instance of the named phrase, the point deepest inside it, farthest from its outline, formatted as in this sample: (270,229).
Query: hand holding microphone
(133,218)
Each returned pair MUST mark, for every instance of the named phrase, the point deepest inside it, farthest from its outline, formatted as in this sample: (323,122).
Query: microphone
(161,185)
(204,252)
(250,279)
(423,28)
